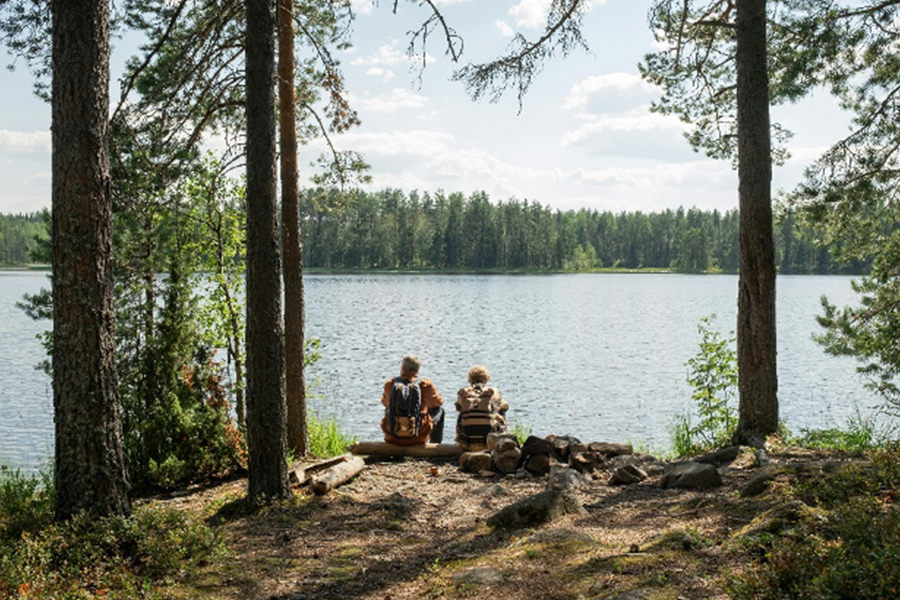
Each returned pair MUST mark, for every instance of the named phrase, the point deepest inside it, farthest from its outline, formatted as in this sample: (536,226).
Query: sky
(584,137)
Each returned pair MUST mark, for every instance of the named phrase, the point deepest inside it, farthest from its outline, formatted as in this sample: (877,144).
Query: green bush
(111,558)
(853,553)
(713,377)
(26,502)
(855,556)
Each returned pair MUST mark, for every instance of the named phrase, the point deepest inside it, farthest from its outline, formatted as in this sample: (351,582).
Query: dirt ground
(414,529)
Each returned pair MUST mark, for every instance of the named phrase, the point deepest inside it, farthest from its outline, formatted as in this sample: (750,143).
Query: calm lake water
(600,356)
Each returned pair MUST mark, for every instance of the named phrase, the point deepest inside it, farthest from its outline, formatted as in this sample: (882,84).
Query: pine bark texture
(266,413)
(90,467)
(294,326)
(756,349)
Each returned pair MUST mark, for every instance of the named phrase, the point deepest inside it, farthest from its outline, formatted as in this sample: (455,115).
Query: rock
(720,457)
(564,478)
(535,446)
(691,475)
(559,536)
(561,445)
(586,463)
(759,483)
(491,490)
(506,461)
(539,464)
(502,442)
(610,450)
(627,474)
(536,510)
(481,576)
(577,448)
(475,462)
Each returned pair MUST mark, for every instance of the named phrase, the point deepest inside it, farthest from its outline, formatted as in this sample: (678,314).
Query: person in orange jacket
(414,410)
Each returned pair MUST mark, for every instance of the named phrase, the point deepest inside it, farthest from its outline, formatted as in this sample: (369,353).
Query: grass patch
(326,438)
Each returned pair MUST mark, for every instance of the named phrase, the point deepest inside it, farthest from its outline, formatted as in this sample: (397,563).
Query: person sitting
(482,410)
(414,410)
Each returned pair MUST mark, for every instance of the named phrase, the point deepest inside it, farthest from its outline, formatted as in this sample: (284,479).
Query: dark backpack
(477,415)
(405,409)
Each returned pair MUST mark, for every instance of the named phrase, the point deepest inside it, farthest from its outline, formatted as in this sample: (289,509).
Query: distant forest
(394,230)
(19,235)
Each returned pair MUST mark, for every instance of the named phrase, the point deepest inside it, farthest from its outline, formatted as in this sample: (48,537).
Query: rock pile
(583,462)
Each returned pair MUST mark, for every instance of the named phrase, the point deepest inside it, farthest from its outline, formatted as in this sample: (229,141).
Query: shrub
(112,558)
(713,377)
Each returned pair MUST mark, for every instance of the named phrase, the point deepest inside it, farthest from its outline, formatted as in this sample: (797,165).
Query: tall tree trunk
(292,243)
(758,380)
(266,413)
(90,466)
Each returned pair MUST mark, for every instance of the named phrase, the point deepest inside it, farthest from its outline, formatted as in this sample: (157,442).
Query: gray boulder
(539,464)
(536,510)
(501,442)
(627,474)
(564,478)
(506,461)
(691,475)
(475,462)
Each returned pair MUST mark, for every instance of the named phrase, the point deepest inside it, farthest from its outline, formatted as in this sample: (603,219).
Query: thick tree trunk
(757,376)
(293,250)
(266,413)
(90,465)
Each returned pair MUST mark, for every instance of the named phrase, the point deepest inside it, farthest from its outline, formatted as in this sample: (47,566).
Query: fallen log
(337,475)
(301,473)
(420,450)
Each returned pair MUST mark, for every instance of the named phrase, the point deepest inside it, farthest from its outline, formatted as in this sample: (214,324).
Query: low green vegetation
(326,438)
(85,558)
(850,551)
(521,431)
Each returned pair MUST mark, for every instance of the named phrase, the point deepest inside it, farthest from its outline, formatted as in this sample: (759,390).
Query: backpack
(405,409)
(477,415)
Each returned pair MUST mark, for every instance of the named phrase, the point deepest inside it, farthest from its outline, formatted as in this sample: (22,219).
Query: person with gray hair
(413,408)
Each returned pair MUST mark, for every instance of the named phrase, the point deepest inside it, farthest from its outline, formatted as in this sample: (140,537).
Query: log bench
(420,450)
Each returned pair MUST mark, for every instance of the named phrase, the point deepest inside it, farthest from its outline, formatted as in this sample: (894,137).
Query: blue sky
(584,137)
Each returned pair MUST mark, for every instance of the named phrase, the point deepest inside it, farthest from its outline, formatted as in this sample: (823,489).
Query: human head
(479,374)
(410,365)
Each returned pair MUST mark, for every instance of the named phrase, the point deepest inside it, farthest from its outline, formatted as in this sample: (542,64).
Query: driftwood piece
(338,474)
(301,473)
(420,450)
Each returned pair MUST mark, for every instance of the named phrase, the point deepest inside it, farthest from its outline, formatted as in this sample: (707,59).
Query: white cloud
(638,122)
(387,54)
(396,99)
(610,84)
(505,29)
(22,142)
(384,74)
(530,13)
(362,7)
(533,13)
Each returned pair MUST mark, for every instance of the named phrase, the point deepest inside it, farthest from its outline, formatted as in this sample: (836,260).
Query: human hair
(479,374)
(411,363)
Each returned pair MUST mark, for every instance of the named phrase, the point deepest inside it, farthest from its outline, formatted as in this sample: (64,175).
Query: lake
(600,356)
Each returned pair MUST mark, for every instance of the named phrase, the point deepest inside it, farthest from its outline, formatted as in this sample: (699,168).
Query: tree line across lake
(390,229)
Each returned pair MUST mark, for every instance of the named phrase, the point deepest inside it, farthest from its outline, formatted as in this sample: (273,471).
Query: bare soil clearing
(414,528)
